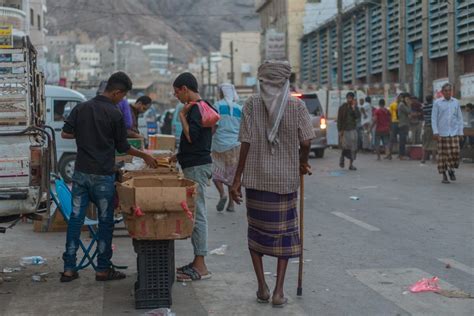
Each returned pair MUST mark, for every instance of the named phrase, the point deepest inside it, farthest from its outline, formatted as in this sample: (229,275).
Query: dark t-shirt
(198,152)
(99,130)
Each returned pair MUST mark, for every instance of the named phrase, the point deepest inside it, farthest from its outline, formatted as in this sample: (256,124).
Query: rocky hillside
(187,25)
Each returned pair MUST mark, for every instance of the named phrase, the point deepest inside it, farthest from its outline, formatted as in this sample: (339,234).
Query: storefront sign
(275,45)
(6,36)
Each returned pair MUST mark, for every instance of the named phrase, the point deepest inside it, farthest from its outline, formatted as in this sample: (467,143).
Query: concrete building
(245,58)
(281,29)
(158,54)
(88,61)
(413,44)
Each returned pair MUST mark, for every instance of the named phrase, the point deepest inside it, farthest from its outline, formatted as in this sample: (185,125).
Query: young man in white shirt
(448,130)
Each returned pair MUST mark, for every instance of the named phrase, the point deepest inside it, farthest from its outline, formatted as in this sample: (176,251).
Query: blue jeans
(200,175)
(100,190)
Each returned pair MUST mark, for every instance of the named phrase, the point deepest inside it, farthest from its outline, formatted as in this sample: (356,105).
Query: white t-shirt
(368,111)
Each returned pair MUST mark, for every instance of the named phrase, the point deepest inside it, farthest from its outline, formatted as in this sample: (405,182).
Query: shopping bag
(209,116)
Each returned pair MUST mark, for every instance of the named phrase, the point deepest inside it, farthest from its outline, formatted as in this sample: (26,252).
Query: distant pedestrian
(394,128)
(347,118)
(381,123)
(366,122)
(194,156)
(166,128)
(142,105)
(403,124)
(429,144)
(360,128)
(225,144)
(416,120)
(275,133)
(448,129)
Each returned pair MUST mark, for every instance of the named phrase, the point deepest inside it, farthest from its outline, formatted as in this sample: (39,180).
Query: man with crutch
(275,136)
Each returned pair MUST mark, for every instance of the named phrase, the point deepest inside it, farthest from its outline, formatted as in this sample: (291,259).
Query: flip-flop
(263,300)
(221,204)
(230,209)
(192,275)
(68,278)
(110,276)
(180,269)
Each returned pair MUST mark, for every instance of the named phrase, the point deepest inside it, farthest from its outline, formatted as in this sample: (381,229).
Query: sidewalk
(231,291)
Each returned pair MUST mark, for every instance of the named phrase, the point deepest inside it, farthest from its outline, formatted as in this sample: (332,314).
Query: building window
(32,17)
(39,22)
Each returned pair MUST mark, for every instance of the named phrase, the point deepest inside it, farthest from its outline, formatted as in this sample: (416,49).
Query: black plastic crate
(156,273)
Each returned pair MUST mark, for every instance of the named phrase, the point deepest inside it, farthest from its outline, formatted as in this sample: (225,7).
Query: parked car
(319,143)
(59,103)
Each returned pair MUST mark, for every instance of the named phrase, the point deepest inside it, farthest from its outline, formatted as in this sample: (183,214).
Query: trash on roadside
(184,284)
(267,273)
(4,293)
(448,266)
(11,270)
(298,261)
(160,312)
(426,285)
(336,173)
(219,251)
(39,277)
(32,261)
(354,198)
(454,294)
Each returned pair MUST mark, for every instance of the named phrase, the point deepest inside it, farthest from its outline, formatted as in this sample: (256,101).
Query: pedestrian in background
(403,124)
(416,120)
(448,129)
(166,128)
(99,130)
(429,144)
(194,156)
(142,105)
(225,144)
(275,133)
(360,128)
(394,128)
(366,121)
(347,118)
(382,120)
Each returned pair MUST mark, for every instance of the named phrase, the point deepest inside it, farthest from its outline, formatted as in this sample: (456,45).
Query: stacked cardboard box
(157,207)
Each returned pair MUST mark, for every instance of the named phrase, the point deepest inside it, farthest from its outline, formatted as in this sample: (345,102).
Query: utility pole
(339,44)
(115,55)
(209,73)
(232,74)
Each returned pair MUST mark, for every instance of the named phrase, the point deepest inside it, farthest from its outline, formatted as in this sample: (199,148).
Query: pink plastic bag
(426,285)
(209,116)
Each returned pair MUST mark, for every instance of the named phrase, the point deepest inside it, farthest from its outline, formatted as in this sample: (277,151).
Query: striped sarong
(448,153)
(224,165)
(273,223)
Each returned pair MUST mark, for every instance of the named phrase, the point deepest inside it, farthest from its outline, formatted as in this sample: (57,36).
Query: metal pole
(339,43)
(232,75)
(209,73)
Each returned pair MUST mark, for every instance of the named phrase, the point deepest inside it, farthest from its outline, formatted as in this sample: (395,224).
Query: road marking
(393,284)
(457,265)
(357,222)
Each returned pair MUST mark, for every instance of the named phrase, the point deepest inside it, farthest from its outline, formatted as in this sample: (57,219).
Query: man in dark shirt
(347,118)
(99,130)
(141,106)
(194,156)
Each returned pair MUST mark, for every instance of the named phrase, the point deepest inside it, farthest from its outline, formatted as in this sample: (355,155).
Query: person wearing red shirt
(381,122)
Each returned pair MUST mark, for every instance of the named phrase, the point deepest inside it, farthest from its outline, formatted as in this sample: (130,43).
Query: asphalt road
(362,254)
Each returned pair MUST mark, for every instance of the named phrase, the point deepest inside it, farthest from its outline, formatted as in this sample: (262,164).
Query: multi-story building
(26,18)
(88,61)
(245,49)
(281,29)
(414,44)
(158,54)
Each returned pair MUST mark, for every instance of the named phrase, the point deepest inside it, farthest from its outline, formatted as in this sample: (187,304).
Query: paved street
(362,254)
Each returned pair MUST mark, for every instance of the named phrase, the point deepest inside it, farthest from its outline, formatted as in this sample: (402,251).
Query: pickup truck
(27,145)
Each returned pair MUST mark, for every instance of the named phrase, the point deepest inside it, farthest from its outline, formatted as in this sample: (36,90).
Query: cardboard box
(57,222)
(156,194)
(159,226)
(162,142)
(163,172)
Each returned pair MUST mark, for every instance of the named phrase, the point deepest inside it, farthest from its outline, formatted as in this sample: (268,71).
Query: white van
(59,103)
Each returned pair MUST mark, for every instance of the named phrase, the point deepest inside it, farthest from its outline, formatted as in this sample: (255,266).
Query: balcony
(13,16)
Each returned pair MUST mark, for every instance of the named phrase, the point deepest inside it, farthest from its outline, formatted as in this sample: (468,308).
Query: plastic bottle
(32,261)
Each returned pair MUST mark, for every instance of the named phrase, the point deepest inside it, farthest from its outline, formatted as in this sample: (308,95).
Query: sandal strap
(192,273)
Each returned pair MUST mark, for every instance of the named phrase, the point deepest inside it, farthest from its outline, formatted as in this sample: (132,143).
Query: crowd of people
(263,146)
(437,126)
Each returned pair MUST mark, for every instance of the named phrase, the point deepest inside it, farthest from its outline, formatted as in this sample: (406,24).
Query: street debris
(219,251)
(184,284)
(11,270)
(448,266)
(267,273)
(354,198)
(39,277)
(4,293)
(160,312)
(32,261)
(454,294)
(298,261)
(426,285)
(336,173)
